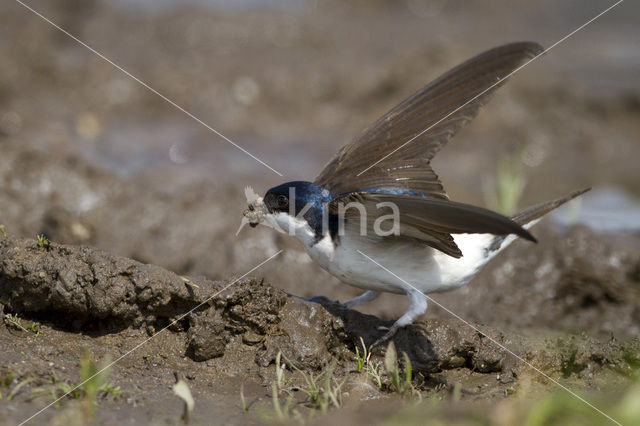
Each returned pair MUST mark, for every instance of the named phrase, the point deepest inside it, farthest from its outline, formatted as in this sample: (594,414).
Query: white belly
(421,266)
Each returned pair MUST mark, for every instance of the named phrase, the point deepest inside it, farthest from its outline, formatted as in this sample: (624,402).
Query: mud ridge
(86,290)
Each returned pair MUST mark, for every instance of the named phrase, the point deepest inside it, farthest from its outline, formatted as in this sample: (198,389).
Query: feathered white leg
(365,297)
(417,307)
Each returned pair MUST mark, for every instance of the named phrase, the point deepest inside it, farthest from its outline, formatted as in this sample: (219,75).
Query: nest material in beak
(256,212)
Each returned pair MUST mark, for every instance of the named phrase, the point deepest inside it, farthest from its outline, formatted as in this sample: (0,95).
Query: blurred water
(606,209)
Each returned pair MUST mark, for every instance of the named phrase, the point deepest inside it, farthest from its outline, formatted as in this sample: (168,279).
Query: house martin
(379,198)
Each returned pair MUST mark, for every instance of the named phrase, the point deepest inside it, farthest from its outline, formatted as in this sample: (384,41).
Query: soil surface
(62,302)
(118,182)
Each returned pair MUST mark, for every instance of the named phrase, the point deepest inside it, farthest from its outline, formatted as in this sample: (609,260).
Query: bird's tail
(527,218)
(536,212)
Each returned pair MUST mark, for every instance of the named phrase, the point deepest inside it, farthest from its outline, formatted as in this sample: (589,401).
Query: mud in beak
(254,216)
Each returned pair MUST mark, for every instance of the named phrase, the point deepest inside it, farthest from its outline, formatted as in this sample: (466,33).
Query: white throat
(294,226)
(320,250)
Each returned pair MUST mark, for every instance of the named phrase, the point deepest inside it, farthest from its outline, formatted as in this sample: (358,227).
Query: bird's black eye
(282,200)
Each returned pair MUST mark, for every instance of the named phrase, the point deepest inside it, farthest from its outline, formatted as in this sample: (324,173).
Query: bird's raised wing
(443,107)
(429,220)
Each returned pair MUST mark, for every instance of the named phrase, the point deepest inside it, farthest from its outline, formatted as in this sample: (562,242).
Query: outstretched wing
(443,107)
(429,220)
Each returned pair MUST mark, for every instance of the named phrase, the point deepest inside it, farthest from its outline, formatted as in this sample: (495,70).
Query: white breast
(423,267)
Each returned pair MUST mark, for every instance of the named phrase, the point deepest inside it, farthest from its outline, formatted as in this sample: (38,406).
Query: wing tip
(530,48)
(527,235)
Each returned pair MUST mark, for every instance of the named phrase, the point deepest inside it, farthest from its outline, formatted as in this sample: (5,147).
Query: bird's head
(291,205)
(296,198)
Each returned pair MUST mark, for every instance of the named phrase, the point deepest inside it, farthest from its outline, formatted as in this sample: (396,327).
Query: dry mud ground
(117,181)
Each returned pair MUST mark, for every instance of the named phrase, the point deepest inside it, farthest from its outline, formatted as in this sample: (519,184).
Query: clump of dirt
(86,289)
(83,289)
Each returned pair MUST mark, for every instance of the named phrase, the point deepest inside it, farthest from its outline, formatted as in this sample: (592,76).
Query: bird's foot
(349,304)
(365,297)
(391,331)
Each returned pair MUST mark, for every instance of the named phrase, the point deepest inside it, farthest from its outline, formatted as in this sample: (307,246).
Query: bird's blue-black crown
(307,195)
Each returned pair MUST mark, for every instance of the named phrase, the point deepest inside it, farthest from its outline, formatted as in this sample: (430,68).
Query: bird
(430,243)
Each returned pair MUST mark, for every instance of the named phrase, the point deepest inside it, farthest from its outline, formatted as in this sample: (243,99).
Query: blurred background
(90,156)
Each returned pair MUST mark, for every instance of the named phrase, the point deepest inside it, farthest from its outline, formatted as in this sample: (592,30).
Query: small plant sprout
(13,318)
(456,393)
(188,282)
(181,389)
(280,371)
(400,378)
(3,231)
(94,384)
(111,391)
(19,386)
(243,400)
(323,390)
(7,379)
(34,327)
(278,388)
(503,196)
(362,360)
(371,368)
(14,321)
(54,388)
(43,242)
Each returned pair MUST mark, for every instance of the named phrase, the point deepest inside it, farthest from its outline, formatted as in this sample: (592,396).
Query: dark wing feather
(413,174)
(439,240)
(425,108)
(433,221)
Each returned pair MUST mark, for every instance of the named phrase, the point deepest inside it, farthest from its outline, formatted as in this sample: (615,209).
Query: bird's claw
(387,336)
